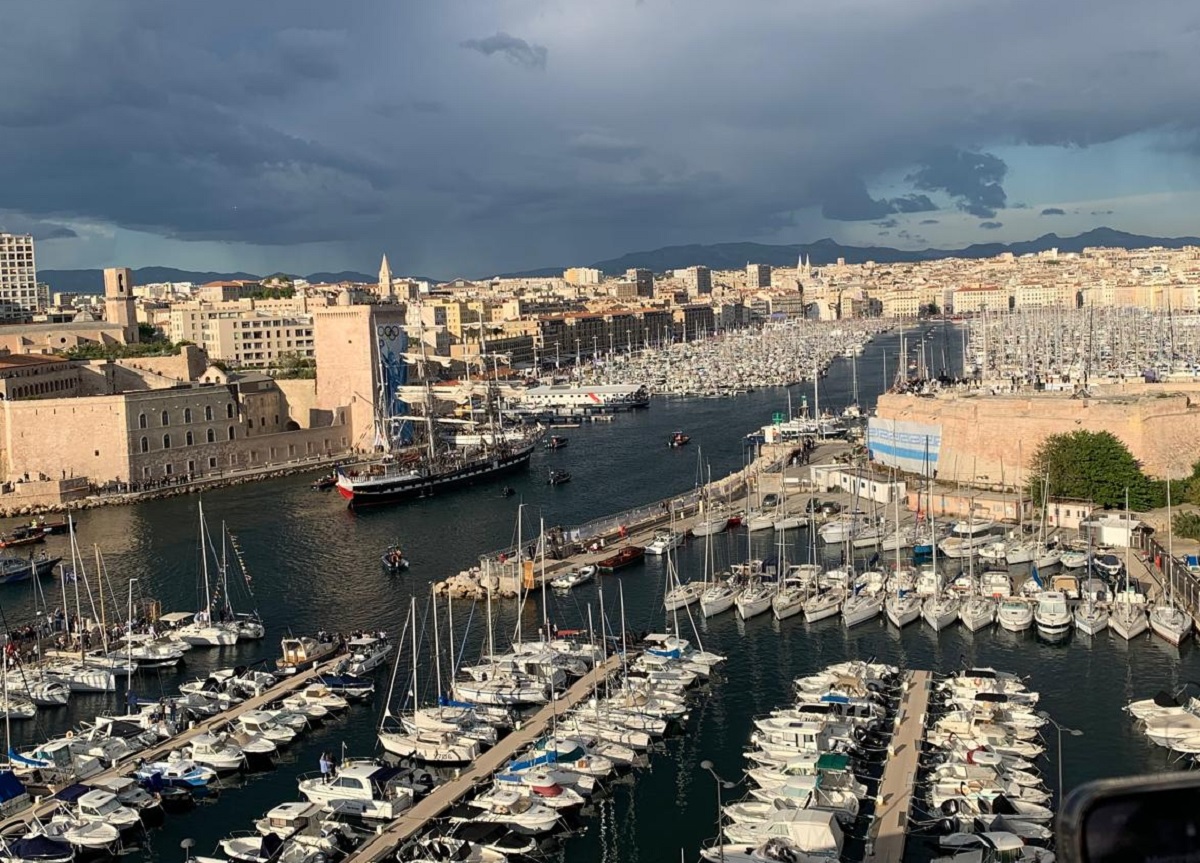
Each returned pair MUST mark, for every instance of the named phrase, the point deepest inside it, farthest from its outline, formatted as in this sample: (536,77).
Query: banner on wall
(908,446)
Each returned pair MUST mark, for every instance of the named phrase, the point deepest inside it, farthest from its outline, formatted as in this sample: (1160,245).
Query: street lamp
(721,784)
(1074,732)
(187,845)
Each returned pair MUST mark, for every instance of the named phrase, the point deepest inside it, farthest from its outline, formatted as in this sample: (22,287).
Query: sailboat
(977,610)
(203,631)
(902,605)
(402,472)
(85,674)
(679,594)
(430,745)
(719,593)
(756,596)
(1090,618)
(1167,620)
(1127,617)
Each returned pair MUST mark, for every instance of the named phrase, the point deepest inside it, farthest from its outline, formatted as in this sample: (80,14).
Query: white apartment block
(19,297)
(258,339)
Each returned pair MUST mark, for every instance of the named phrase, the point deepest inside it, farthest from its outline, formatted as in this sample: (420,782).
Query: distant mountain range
(720,256)
(734,256)
(92,281)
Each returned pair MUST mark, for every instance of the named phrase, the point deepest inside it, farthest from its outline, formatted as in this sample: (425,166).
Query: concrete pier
(159,751)
(447,795)
(900,772)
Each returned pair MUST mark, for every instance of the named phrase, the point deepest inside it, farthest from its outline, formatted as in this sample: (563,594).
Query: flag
(1035,578)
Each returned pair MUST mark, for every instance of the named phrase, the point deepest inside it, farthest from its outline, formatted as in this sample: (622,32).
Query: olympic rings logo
(389,332)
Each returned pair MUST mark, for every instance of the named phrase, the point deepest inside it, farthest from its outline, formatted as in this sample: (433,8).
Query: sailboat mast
(204,564)
(412,607)
(437,644)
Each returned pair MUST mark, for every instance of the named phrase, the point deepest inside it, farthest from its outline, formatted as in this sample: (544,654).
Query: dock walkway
(159,751)
(900,772)
(447,795)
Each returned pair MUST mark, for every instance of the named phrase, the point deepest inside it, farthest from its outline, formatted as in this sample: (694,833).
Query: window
(141,421)
(212,461)
(168,469)
(208,412)
(276,419)
(249,423)
(212,436)
(231,432)
(166,420)
(188,439)
(191,466)
(166,441)
(145,445)
(229,410)
(146,473)
(187,415)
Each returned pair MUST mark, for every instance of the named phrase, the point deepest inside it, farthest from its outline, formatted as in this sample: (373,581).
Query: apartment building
(19,298)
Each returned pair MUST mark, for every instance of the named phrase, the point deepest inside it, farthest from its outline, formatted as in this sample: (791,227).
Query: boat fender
(581,763)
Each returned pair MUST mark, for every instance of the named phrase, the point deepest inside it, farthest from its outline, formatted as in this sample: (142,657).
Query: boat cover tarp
(38,848)
(830,761)
(1165,699)
(72,792)
(10,786)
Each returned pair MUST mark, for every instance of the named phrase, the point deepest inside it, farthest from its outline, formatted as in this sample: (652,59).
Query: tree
(1186,524)
(1093,466)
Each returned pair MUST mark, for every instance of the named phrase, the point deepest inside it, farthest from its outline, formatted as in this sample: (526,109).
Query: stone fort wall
(991,437)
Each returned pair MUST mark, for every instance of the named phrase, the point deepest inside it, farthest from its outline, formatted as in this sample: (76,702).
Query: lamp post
(1074,732)
(721,783)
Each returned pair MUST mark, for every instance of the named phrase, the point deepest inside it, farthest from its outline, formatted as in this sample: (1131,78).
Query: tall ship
(413,459)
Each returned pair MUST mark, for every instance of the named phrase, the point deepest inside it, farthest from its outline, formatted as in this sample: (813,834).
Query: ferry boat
(303,653)
(606,398)
(627,556)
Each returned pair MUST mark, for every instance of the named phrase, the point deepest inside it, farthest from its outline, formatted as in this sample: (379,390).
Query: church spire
(385,279)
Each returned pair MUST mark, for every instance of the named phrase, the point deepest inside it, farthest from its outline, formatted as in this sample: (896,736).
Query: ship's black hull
(407,489)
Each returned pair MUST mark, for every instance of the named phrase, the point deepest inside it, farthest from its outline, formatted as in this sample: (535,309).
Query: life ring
(69,735)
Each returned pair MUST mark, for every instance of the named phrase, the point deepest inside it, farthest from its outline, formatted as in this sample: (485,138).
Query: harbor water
(315,565)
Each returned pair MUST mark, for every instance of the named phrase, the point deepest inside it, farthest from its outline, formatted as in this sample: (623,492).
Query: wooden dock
(447,795)
(44,806)
(900,772)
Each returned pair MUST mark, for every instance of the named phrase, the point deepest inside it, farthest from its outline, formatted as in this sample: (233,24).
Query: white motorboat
(1091,618)
(573,578)
(1108,564)
(36,848)
(1014,614)
(710,525)
(759,521)
(845,527)
(361,789)
(262,724)
(967,537)
(976,612)
(431,747)
(788,522)
(940,611)
(1073,558)
(41,689)
(103,807)
(87,836)
(1170,623)
(216,752)
(368,652)
(177,771)
(1052,616)
(664,541)
(515,811)
(754,599)
(82,676)
(995,583)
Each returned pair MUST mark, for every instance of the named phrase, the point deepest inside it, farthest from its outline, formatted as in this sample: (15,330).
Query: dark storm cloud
(1054,211)
(511,47)
(367,127)
(846,199)
(972,180)
(991,226)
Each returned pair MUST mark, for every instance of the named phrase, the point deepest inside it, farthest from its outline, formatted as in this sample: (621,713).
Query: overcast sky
(480,136)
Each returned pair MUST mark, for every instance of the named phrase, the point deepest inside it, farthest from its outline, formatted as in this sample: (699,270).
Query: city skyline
(472,138)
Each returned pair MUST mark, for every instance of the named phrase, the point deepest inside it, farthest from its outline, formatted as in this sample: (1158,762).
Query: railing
(1181,582)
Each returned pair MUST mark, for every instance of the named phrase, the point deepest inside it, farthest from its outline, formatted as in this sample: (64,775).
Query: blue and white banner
(909,446)
(392,343)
